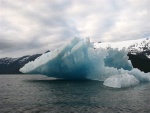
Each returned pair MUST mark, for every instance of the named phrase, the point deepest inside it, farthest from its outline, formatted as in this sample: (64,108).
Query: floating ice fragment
(120,81)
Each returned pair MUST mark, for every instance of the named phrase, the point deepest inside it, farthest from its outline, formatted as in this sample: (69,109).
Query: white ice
(79,60)
(120,81)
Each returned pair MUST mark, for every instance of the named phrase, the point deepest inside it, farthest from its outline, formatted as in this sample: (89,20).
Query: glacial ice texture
(120,81)
(79,60)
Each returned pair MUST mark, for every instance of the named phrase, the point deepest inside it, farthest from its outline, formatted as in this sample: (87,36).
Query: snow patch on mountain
(137,44)
(7,60)
(132,46)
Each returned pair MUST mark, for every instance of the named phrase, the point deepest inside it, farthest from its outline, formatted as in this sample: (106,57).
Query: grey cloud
(5,45)
(32,27)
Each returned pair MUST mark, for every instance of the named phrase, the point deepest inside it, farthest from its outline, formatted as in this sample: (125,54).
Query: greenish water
(41,94)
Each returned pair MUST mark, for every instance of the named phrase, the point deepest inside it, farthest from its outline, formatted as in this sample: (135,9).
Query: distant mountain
(140,61)
(12,65)
(132,46)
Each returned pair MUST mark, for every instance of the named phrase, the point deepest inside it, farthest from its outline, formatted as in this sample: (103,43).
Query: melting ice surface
(79,60)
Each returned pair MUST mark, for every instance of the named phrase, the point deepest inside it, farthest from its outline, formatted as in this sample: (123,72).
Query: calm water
(40,94)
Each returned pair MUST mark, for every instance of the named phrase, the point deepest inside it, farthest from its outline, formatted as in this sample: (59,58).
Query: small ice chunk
(120,81)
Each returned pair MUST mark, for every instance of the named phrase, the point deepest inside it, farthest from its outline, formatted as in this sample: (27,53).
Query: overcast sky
(34,26)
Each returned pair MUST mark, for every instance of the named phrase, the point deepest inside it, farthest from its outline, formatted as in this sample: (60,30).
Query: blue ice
(79,60)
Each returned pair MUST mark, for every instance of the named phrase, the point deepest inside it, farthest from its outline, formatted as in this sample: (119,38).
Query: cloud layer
(28,27)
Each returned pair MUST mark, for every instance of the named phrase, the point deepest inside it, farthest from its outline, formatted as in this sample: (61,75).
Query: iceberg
(78,60)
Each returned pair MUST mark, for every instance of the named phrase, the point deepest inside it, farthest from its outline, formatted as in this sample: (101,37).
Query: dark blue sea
(41,94)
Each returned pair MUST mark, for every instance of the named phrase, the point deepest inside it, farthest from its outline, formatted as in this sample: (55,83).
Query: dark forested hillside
(141,61)
(12,65)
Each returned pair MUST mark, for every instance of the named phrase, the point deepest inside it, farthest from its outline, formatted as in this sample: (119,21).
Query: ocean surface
(41,94)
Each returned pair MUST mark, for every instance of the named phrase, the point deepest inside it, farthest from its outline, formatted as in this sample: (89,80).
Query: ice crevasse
(78,60)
